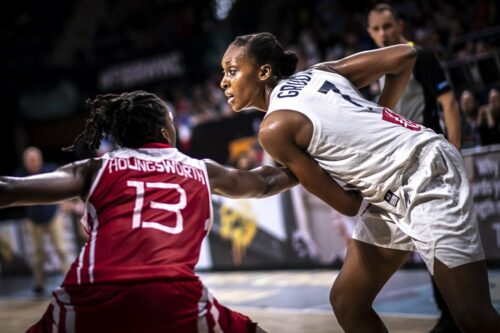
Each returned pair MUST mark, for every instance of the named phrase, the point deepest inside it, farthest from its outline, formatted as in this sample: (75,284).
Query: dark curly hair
(132,119)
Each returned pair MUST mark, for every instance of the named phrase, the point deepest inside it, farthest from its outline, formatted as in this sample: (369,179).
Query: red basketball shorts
(147,307)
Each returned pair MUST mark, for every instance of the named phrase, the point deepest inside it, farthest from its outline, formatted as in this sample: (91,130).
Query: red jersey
(148,211)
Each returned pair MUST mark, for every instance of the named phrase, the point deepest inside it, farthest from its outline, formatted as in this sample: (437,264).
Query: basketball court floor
(281,301)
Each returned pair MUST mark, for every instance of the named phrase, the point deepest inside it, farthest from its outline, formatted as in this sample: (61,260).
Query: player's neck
(267,97)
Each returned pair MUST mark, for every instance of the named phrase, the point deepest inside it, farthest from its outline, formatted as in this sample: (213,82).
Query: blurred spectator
(245,153)
(427,88)
(75,210)
(202,111)
(43,220)
(245,160)
(11,264)
(489,119)
(470,110)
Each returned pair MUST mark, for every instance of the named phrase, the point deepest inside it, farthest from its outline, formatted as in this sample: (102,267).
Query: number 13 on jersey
(171,207)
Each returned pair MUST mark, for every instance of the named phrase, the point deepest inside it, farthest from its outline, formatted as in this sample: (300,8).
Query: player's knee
(340,302)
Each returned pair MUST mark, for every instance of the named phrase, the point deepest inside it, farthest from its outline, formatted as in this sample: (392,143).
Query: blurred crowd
(480,123)
(327,30)
(59,37)
(457,31)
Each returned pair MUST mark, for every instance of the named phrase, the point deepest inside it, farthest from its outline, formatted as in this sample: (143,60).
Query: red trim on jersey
(156,145)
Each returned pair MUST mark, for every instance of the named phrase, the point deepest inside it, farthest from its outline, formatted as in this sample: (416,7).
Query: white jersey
(356,141)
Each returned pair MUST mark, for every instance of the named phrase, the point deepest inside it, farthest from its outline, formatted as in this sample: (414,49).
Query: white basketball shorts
(439,221)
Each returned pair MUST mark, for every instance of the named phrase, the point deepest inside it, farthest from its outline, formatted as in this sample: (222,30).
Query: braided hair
(265,48)
(132,119)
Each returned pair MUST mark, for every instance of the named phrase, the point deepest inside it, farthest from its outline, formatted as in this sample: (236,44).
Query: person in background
(469,107)
(489,119)
(43,220)
(427,89)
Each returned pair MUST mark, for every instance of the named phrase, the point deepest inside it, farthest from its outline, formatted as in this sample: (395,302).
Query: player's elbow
(408,52)
(413,53)
(408,56)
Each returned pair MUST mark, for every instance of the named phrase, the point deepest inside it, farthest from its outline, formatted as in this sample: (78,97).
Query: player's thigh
(465,288)
(377,250)
(366,270)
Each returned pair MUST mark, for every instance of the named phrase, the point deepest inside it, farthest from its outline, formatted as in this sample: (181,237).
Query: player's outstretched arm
(69,181)
(395,62)
(257,183)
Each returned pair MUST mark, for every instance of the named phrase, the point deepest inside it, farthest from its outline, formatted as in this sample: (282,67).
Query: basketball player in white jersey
(321,128)
(427,96)
(148,209)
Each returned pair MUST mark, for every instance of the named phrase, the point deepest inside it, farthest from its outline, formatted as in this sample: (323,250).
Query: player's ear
(165,135)
(265,72)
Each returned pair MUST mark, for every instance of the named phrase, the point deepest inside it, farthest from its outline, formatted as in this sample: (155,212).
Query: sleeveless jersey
(356,141)
(147,213)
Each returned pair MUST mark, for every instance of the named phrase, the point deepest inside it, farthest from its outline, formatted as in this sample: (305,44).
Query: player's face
(240,81)
(467,102)
(384,29)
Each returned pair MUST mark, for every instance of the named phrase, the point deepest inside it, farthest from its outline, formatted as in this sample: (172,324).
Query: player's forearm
(366,67)
(454,130)
(257,183)
(276,179)
(355,200)
(347,203)
(392,91)
(39,189)
(452,119)
(11,192)
(395,83)
(344,201)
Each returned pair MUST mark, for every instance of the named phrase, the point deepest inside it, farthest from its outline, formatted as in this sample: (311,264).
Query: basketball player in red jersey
(148,209)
